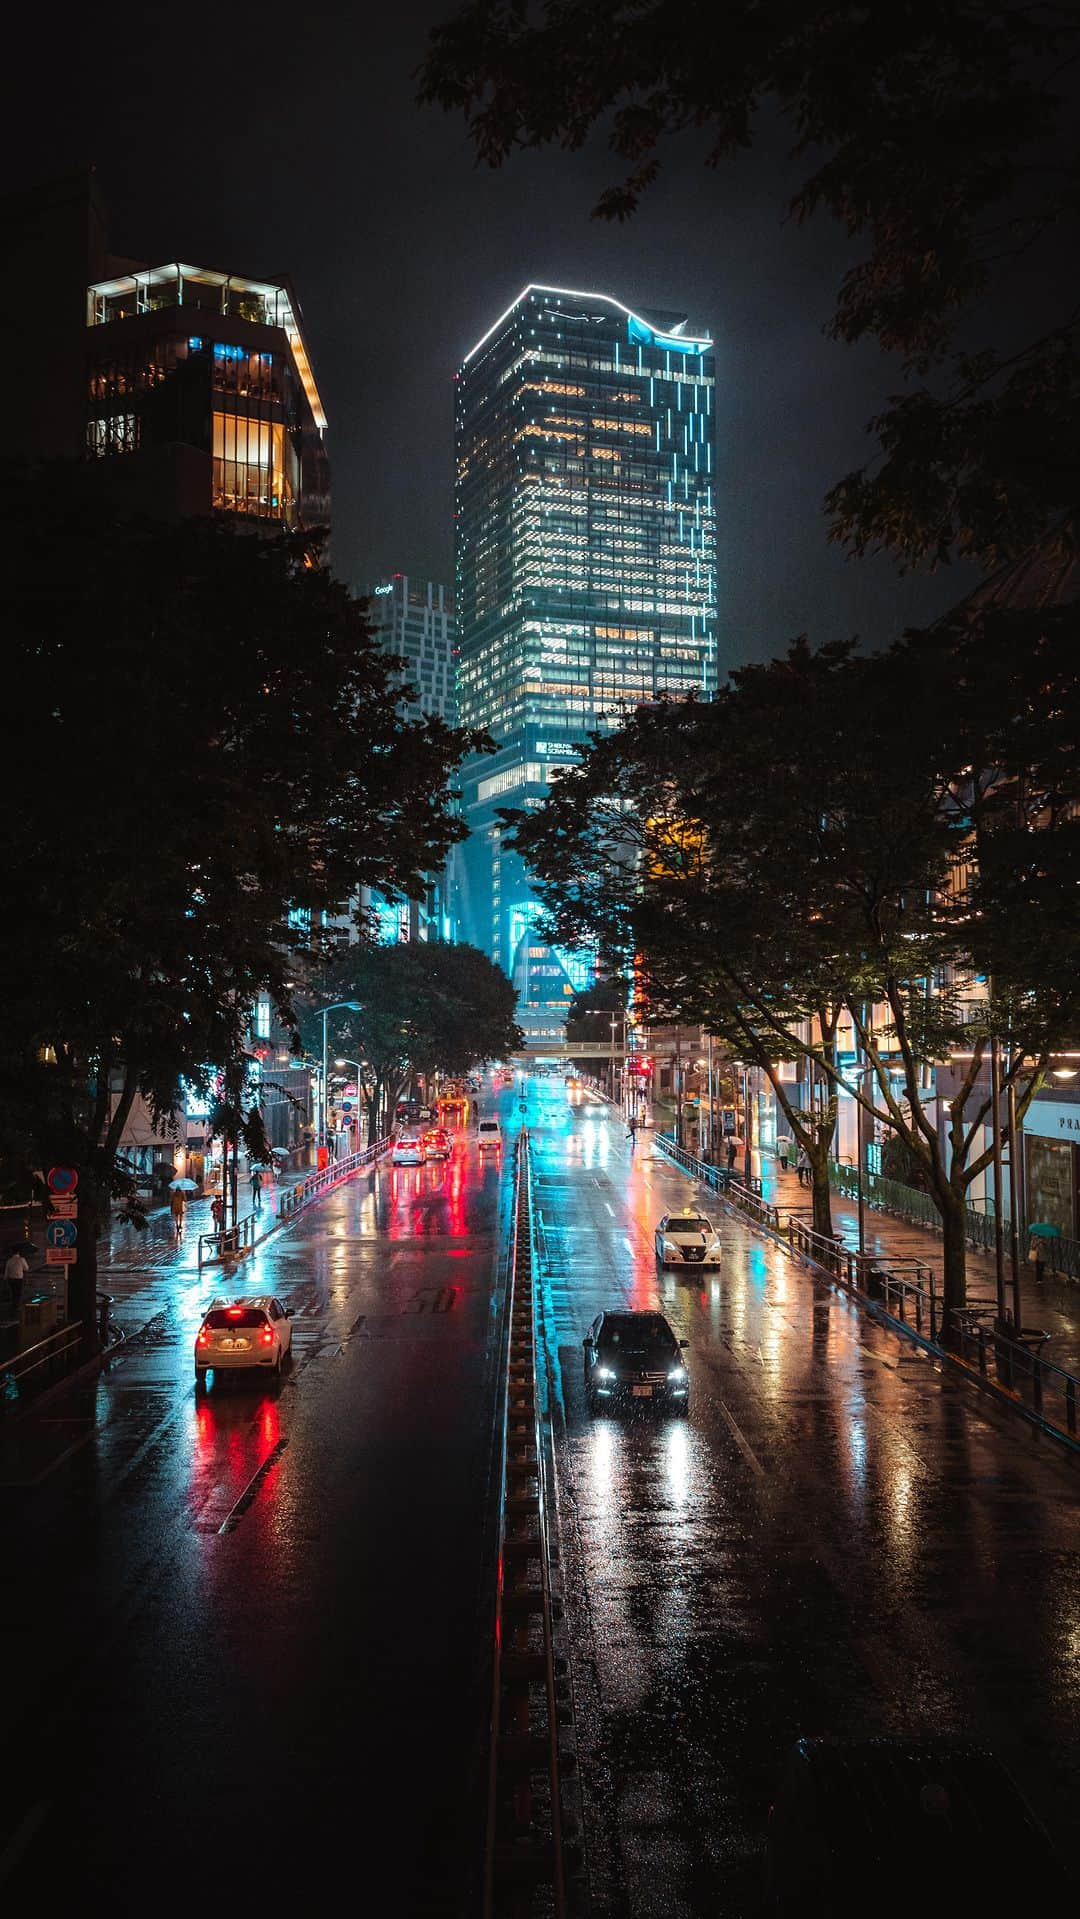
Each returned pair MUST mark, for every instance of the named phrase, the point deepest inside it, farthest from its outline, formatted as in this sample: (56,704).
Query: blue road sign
(61,1232)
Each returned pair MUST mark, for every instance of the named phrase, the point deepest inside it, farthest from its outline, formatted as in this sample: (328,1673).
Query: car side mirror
(684,1342)
(288,1311)
(587,1341)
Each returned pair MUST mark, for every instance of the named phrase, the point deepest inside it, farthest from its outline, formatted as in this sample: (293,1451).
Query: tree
(210,760)
(425,1007)
(674,845)
(781,856)
(941,137)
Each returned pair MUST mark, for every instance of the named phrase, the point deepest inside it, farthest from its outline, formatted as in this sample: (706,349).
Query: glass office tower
(586,570)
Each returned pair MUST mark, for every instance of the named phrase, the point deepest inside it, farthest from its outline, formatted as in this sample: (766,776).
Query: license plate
(235,1345)
(642,1392)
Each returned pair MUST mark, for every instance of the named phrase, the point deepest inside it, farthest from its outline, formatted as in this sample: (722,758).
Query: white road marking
(742,1442)
(610,1207)
(22,1836)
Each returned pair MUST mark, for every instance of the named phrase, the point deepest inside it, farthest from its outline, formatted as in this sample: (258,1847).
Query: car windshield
(689,1223)
(636,1335)
(232,1318)
(488,1126)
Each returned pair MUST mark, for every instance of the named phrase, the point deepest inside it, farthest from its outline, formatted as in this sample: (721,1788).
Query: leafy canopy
(209,760)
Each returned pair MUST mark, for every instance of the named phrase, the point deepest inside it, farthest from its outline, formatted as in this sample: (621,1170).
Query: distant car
(489,1135)
(634,1356)
(243,1335)
(408,1150)
(437,1144)
(687,1239)
(898,1814)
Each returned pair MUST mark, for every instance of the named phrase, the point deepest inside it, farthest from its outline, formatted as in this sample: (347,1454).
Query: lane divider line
(232,1519)
(741,1441)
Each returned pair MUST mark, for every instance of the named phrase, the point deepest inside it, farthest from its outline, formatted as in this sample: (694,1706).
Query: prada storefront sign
(1054,1119)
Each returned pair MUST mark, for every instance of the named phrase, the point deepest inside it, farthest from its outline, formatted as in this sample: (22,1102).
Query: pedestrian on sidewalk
(732,1150)
(15,1271)
(176,1208)
(802,1166)
(631,1130)
(256,1189)
(217,1211)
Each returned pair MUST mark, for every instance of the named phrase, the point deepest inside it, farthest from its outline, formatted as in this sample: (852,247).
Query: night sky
(266,142)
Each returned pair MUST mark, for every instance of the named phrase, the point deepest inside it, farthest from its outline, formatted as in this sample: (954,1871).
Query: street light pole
(336,1006)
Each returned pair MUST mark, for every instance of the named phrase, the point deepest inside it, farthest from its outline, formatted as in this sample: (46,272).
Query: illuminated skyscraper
(415,620)
(586,569)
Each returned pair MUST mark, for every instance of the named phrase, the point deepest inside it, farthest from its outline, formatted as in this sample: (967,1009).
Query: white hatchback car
(408,1150)
(489,1135)
(687,1239)
(243,1335)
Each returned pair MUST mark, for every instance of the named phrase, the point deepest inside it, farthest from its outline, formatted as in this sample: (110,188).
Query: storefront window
(1051,1184)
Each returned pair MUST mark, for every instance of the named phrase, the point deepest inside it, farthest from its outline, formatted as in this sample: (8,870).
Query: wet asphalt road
(838,1540)
(242,1661)
(241,1651)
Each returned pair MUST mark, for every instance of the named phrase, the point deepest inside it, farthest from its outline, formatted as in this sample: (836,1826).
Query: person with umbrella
(256,1187)
(179,1190)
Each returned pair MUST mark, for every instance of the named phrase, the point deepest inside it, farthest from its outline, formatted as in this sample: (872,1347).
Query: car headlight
(677,1376)
(605,1372)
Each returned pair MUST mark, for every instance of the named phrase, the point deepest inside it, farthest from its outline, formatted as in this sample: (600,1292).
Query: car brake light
(267,1335)
(234,1312)
(204,1337)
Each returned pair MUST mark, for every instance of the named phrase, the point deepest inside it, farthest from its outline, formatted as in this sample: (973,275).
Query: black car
(886,1825)
(634,1357)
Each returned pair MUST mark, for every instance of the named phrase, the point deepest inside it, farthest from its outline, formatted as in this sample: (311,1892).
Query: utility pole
(999,1235)
(1015,1203)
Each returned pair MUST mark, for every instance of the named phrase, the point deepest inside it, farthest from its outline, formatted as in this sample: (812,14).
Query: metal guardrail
(907,1203)
(1061,1255)
(41,1364)
(905,1289)
(296,1197)
(229,1242)
(524,1854)
(235,1242)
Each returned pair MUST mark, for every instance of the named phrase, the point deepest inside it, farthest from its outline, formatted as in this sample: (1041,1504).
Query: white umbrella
(280,1152)
(183,1186)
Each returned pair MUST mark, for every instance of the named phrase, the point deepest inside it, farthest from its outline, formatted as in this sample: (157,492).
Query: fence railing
(296,1197)
(229,1242)
(38,1366)
(718,1177)
(906,1202)
(1060,1255)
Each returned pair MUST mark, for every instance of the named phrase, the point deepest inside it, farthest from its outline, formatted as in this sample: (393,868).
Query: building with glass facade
(189,389)
(203,380)
(585,570)
(415,620)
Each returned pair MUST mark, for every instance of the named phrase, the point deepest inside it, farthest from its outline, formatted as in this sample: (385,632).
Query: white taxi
(687,1239)
(243,1334)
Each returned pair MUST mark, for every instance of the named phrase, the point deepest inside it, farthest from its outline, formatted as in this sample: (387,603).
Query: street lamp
(336,1006)
(614,1019)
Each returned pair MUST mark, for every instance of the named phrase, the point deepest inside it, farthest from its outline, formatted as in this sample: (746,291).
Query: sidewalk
(133,1264)
(1054,1304)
